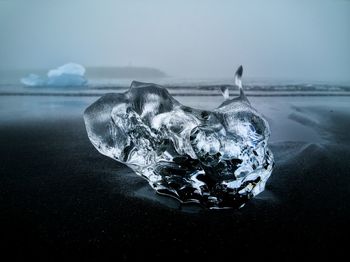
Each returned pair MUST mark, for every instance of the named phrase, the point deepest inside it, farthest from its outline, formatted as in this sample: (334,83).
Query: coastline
(60,197)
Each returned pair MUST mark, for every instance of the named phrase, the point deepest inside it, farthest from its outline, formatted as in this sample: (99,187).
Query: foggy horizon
(301,40)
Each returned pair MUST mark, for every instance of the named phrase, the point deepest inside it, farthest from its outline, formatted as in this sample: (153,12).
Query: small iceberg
(33,80)
(70,74)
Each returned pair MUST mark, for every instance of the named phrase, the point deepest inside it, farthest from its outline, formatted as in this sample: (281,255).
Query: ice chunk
(67,80)
(217,158)
(69,69)
(33,80)
(70,74)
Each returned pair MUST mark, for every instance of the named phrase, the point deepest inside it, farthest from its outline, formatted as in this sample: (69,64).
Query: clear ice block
(217,158)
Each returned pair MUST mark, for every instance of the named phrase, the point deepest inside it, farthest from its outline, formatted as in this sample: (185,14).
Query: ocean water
(10,85)
(277,100)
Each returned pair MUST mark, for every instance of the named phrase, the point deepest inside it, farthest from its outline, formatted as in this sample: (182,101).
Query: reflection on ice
(217,158)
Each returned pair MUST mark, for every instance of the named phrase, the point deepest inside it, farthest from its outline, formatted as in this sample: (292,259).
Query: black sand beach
(59,197)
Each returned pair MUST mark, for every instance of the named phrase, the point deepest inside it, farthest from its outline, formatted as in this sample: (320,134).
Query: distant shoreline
(202,94)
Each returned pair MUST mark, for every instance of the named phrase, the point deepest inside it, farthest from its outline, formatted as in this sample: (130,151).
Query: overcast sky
(296,39)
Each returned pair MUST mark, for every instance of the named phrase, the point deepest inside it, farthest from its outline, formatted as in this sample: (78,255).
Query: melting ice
(70,74)
(216,158)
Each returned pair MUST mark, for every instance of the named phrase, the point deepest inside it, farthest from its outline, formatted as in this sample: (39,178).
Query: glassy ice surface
(217,158)
(69,74)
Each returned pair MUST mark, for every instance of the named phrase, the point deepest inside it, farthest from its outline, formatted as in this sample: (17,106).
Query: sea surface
(276,99)
(10,84)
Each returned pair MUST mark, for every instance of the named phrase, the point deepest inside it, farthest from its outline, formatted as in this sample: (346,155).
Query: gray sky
(296,39)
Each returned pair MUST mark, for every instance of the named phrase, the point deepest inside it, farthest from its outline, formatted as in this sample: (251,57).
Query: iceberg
(33,80)
(218,158)
(70,74)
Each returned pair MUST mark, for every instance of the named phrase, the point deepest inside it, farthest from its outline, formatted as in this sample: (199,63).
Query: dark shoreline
(60,198)
(59,195)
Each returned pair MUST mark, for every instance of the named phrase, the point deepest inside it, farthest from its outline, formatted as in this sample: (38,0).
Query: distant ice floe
(33,80)
(70,74)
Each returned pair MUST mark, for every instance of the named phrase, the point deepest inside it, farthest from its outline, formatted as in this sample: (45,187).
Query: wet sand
(59,197)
